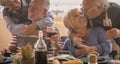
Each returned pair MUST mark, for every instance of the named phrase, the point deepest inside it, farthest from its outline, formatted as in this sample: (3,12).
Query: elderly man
(15,15)
(37,13)
(105,14)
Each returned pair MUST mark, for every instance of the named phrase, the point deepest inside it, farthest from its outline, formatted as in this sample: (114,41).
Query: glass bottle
(40,50)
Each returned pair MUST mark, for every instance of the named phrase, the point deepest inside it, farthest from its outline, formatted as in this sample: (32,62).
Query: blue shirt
(97,38)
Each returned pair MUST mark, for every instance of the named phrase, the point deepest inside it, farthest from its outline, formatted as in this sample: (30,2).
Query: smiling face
(35,11)
(80,21)
(75,20)
(92,9)
(14,4)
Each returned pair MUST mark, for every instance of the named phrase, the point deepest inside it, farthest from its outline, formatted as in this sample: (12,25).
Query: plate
(6,60)
(106,60)
(63,57)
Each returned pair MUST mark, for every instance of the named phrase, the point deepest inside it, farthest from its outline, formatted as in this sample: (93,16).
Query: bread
(55,62)
(77,61)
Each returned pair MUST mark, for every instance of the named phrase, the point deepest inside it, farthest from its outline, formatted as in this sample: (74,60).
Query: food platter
(6,60)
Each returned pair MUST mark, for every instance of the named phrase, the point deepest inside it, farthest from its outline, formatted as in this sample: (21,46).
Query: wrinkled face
(14,5)
(90,8)
(80,21)
(35,11)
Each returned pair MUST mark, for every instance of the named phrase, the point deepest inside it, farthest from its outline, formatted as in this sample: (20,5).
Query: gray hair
(4,2)
(104,3)
(45,3)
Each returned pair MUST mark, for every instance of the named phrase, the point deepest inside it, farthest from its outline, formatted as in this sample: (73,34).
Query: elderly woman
(87,40)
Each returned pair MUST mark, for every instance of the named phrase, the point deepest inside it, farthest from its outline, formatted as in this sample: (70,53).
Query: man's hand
(31,29)
(55,39)
(113,33)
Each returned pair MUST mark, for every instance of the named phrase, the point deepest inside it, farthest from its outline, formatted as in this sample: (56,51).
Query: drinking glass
(51,31)
(92,58)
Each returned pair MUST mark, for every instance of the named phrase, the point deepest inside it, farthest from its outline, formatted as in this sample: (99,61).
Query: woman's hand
(77,40)
(84,50)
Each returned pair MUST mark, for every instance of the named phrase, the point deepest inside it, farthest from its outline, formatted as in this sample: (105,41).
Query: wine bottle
(40,50)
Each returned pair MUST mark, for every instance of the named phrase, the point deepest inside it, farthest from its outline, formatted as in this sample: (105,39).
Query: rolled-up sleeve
(104,48)
(48,20)
(12,27)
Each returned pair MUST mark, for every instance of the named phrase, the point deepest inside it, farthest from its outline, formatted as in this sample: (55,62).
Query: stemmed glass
(50,32)
(107,22)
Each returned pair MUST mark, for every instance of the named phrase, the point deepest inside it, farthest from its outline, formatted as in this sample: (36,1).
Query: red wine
(107,27)
(40,57)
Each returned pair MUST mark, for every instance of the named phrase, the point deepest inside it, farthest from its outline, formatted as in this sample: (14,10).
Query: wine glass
(107,22)
(51,31)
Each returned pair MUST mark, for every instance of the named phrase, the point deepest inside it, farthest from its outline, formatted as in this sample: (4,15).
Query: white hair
(4,2)
(104,3)
(45,3)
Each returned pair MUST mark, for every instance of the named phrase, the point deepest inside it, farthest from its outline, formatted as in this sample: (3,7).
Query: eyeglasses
(88,10)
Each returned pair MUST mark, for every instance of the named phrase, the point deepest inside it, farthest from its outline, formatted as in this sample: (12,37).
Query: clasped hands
(83,49)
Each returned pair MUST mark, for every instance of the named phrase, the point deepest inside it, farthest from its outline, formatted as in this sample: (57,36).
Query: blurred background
(58,8)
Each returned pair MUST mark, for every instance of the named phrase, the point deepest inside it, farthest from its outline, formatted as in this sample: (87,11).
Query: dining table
(111,62)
